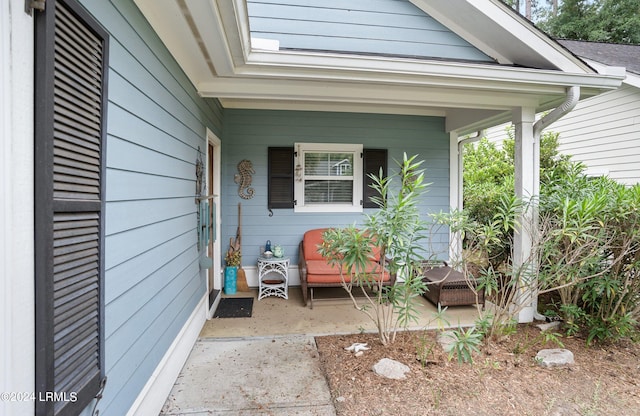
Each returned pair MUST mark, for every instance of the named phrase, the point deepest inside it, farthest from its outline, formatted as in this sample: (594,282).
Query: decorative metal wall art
(243,179)
(200,184)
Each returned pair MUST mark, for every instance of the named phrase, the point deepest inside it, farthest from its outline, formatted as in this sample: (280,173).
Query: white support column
(527,166)
(17,351)
(455,191)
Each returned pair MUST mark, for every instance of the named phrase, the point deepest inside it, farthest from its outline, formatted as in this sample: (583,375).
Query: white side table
(273,277)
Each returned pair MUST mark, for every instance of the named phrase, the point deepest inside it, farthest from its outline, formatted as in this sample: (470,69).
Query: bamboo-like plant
(397,230)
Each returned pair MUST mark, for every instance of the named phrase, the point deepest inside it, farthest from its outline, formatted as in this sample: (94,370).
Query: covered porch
(216,82)
(411,76)
(335,314)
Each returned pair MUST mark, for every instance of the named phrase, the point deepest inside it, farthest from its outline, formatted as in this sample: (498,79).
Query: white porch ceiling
(211,42)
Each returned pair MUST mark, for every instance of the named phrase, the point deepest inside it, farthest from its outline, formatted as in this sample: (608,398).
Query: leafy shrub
(587,240)
(398,231)
(465,344)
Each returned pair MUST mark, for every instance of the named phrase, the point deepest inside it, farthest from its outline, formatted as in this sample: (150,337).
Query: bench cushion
(319,271)
(311,242)
(313,239)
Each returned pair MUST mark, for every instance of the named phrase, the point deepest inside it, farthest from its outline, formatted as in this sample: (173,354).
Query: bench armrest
(302,263)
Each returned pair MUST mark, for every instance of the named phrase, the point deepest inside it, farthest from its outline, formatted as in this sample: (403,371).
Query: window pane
(316,192)
(328,164)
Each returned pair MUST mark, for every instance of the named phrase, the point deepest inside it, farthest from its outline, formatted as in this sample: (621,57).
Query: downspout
(456,241)
(573,96)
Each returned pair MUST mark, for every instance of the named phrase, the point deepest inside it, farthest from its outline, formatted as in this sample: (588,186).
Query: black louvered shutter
(71,80)
(280,177)
(374,159)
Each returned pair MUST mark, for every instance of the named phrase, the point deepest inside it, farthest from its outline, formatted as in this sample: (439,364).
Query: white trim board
(17,304)
(155,392)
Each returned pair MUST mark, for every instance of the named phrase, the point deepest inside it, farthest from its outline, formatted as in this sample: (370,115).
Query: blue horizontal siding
(395,27)
(127,185)
(128,156)
(122,216)
(124,276)
(139,105)
(156,122)
(126,245)
(167,323)
(248,134)
(128,126)
(165,273)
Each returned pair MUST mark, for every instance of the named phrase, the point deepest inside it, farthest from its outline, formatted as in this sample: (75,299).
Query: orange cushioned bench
(315,270)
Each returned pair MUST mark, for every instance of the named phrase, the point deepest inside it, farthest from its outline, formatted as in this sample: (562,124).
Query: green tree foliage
(489,170)
(488,174)
(614,21)
(619,22)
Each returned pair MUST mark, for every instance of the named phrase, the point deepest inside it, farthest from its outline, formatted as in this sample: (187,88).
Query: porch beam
(527,164)
(330,91)
(295,64)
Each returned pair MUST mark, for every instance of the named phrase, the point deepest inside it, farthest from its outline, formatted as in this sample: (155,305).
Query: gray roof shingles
(612,54)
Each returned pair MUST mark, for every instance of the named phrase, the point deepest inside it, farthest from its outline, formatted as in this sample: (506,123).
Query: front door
(213,189)
(210,252)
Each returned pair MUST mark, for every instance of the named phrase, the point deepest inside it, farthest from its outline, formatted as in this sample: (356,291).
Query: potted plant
(232,261)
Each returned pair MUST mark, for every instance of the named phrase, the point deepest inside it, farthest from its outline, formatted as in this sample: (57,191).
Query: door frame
(216,270)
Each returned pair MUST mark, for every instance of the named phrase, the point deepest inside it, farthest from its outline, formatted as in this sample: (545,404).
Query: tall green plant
(397,230)
(586,249)
(595,226)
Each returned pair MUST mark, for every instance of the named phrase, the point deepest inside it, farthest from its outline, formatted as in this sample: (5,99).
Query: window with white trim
(328,177)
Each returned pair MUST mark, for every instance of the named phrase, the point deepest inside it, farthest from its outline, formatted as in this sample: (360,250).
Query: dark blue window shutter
(71,84)
(374,160)
(280,177)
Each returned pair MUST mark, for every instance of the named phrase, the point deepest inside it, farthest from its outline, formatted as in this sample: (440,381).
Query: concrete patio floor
(269,364)
(274,316)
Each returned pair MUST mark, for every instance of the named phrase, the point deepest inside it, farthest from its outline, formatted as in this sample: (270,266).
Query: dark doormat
(234,308)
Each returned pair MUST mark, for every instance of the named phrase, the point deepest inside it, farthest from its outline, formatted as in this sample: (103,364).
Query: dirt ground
(504,378)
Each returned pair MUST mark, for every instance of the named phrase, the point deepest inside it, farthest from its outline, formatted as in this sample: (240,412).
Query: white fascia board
(168,22)
(500,33)
(630,78)
(242,25)
(221,43)
(350,92)
(355,68)
(460,30)
(531,36)
(261,63)
(340,107)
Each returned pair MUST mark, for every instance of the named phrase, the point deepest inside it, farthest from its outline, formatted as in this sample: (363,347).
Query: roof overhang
(629,77)
(211,42)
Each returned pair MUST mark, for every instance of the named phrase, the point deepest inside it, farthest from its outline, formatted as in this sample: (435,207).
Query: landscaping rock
(390,369)
(446,340)
(555,357)
(549,325)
